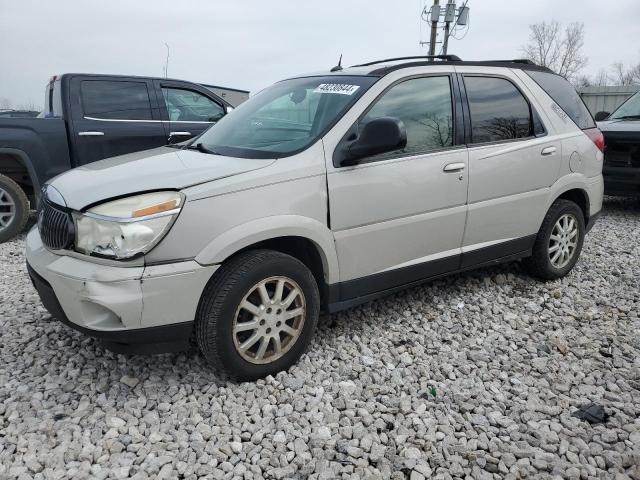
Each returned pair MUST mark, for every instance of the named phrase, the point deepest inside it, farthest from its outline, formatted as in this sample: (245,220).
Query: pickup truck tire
(559,241)
(14,209)
(257,314)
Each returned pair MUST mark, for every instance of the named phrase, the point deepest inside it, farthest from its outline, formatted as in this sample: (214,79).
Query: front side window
(285,118)
(499,112)
(189,106)
(424,106)
(115,100)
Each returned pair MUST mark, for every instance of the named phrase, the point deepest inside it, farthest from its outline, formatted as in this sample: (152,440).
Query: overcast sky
(250,44)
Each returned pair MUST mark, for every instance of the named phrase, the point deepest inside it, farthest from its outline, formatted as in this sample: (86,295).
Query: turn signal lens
(153,209)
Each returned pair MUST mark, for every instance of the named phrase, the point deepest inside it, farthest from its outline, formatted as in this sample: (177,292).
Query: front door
(113,116)
(399,217)
(189,110)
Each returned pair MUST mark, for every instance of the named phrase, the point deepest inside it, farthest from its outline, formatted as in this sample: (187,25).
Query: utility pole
(166,62)
(449,16)
(452,17)
(434,26)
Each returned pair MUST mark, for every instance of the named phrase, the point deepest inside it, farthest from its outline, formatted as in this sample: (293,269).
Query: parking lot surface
(477,374)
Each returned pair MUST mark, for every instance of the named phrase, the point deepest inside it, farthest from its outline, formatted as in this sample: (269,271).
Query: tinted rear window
(563,93)
(498,110)
(116,100)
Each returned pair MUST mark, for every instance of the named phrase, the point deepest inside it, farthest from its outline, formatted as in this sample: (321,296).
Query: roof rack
(447,58)
(524,61)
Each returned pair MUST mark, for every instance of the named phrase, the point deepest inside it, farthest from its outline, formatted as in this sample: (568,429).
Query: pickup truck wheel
(257,314)
(559,241)
(14,209)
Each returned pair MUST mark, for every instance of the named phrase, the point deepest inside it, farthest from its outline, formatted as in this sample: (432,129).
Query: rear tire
(257,314)
(14,209)
(559,241)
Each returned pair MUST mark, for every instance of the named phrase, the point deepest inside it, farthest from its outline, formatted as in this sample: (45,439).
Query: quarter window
(424,106)
(189,106)
(498,110)
(115,100)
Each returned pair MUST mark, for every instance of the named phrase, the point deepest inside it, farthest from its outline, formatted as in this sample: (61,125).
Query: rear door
(187,110)
(513,161)
(113,116)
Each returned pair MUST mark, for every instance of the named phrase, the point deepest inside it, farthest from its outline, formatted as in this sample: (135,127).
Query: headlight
(127,227)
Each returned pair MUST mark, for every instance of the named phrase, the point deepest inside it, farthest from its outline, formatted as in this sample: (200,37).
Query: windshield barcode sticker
(340,88)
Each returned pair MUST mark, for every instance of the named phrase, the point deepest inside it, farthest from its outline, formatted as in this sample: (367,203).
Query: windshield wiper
(201,148)
(628,117)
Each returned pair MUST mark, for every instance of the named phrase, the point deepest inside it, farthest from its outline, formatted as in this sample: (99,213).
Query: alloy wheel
(7,209)
(269,320)
(563,241)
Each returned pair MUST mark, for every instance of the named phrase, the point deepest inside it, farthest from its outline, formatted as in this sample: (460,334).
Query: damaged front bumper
(131,309)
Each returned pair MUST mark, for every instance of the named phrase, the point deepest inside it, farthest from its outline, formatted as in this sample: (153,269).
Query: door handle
(453,167)
(90,134)
(179,134)
(548,151)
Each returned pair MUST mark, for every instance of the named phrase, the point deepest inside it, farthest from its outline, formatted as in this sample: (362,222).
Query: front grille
(55,226)
(622,149)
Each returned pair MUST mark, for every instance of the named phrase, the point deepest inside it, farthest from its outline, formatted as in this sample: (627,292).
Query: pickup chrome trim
(143,121)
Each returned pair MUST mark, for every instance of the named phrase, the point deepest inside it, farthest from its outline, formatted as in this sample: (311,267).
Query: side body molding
(246,234)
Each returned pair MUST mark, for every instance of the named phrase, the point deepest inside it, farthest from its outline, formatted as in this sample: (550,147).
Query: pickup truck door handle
(179,134)
(453,167)
(548,151)
(90,134)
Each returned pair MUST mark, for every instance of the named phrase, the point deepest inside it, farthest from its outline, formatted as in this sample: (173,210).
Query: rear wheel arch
(17,165)
(578,196)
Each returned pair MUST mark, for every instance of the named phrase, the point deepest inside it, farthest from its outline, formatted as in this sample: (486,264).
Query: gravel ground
(474,376)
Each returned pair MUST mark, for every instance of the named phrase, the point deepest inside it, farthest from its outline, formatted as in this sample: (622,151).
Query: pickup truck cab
(91,117)
(621,131)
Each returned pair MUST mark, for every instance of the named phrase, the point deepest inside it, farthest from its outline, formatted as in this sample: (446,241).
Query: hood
(619,126)
(163,168)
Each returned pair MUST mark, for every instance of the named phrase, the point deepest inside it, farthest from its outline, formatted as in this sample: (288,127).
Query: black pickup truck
(91,117)
(621,129)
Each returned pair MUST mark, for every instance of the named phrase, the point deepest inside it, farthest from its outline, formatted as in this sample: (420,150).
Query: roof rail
(447,58)
(524,61)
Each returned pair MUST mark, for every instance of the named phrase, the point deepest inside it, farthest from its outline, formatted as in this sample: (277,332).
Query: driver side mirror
(380,135)
(600,116)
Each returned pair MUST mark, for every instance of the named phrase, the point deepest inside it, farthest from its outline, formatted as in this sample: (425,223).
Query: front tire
(559,241)
(14,209)
(257,314)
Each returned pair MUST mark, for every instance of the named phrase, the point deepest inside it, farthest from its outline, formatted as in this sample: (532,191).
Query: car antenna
(338,67)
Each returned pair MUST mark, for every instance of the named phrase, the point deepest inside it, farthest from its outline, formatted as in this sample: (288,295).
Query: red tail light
(596,137)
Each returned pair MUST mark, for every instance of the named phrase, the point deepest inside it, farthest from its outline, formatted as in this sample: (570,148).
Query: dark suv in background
(621,131)
(90,117)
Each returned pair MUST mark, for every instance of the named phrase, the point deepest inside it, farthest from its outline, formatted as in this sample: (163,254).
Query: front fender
(267,228)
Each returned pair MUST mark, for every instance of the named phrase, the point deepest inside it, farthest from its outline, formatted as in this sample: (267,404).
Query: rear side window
(499,112)
(115,100)
(565,96)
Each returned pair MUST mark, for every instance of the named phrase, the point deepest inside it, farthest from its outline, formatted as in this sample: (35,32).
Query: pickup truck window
(113,100)
(285,118)
(189,106)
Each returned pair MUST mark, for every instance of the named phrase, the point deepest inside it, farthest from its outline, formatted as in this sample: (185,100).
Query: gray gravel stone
(359,403)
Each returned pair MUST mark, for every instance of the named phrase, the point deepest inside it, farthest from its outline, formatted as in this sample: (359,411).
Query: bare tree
(626,76)
(5,103)
(556,48)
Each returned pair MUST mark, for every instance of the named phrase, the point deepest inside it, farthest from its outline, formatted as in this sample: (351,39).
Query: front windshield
(630,108)
(285,118)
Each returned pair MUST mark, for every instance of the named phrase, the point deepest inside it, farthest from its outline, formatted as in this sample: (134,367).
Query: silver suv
(321,192)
